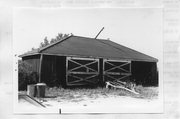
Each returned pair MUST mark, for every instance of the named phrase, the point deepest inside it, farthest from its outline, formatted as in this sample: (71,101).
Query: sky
(136,28)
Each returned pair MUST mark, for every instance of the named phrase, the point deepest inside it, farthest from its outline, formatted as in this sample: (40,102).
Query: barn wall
(145,73)
(48,70)
(53,70)
(61,70)
(101,78)
(33,61)
(154,75)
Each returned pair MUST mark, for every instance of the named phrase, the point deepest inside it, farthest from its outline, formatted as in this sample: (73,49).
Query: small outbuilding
(77,60)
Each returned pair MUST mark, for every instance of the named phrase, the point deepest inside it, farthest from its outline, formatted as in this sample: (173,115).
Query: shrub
(25,75)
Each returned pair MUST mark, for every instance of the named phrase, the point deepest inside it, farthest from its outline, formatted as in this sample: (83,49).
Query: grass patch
(147,92)
(79,94)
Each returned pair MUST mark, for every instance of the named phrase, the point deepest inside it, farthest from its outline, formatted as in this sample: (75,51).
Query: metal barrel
(41,90)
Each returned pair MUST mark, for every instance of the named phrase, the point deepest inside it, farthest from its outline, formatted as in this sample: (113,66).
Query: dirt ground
(101,100)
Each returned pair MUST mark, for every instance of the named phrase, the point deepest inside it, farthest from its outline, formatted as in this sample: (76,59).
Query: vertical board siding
(54,70)
(33,61)
(49,70)
(145,73)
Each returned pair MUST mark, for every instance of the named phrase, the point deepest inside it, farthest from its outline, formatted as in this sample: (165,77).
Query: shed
(78,60)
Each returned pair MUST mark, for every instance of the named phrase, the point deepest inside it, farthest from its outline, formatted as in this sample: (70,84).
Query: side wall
(53,70)
(145,73)
(33,61)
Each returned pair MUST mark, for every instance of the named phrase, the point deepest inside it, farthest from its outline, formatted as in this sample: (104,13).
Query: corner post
(40,67)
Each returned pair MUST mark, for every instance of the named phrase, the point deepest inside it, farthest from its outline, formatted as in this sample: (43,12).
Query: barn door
(116,70)
(82,71)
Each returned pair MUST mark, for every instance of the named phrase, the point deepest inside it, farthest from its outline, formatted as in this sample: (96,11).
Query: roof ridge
(50,45)
(87,37)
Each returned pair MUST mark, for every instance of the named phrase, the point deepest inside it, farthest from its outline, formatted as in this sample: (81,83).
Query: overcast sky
(139,29)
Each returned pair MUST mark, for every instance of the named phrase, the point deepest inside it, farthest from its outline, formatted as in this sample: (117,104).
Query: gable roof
(90,47)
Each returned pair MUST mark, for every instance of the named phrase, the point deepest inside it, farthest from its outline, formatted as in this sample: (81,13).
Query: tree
(53,40)
(59,37)
(44,43)
(32,48)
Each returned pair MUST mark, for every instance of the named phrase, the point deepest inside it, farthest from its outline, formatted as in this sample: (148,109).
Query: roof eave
(25,55)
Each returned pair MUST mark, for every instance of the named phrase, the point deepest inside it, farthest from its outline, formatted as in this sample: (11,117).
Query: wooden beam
(130,67)
(40,67)
(67,60)
(117,73)
(85,65)
(103,70)
(74,72)
(120,87)
(99,33)
(119,66)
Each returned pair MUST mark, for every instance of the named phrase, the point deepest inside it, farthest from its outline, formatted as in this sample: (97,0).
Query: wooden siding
(55,72)
(145,73)
(33,61)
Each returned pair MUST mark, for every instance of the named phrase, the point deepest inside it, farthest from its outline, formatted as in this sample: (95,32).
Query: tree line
(46,42)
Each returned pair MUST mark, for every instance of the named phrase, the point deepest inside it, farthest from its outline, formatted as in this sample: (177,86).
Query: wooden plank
(40,67)
(117,73)
(113,60)
(86,79)
(67,58)
(80,65)
(124,76)
(82,72)
(118,67)
(120,87)
(81,79)
(103,70)
(83,58)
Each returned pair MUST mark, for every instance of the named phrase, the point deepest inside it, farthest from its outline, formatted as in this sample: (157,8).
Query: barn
(82,61)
